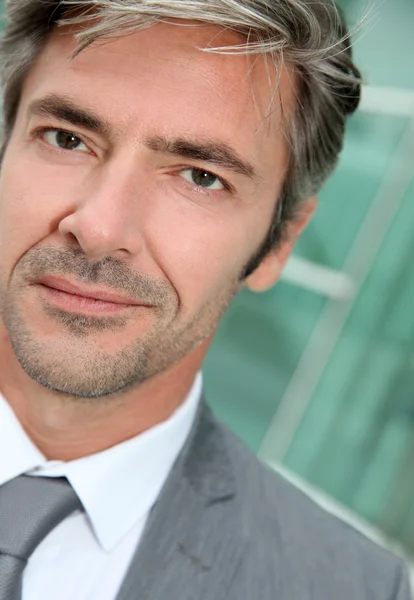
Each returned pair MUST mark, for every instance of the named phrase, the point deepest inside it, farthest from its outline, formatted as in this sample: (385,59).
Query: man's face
(139,180)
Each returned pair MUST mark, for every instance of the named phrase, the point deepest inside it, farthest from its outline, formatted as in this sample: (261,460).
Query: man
(157,157)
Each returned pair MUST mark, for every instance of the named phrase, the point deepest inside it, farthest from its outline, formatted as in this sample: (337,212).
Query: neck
(65,428)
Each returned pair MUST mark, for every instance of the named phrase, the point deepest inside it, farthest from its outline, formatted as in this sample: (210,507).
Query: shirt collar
(22,455)
(122,482)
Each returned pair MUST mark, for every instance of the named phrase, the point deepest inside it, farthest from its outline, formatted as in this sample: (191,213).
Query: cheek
(201,252)
(29,209)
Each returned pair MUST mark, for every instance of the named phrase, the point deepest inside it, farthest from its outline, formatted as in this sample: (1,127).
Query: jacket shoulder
(284,529)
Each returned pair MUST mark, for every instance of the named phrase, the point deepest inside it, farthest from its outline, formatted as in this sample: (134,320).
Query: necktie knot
(30,507)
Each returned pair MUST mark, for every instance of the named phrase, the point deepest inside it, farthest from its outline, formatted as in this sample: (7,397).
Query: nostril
(72,237)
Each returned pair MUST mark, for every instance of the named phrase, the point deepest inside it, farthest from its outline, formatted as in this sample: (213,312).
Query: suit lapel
(189,550)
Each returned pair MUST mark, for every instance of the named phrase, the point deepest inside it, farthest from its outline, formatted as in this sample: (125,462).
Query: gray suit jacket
(227,528)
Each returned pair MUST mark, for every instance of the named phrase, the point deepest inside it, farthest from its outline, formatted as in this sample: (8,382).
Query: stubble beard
(74,365)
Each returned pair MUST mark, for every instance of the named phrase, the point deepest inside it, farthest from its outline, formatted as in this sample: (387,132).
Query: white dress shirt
(87,555)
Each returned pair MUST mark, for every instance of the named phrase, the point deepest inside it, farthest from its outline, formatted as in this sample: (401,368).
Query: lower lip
(81,304)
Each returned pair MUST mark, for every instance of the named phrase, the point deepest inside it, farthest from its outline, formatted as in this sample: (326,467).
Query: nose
(103,219)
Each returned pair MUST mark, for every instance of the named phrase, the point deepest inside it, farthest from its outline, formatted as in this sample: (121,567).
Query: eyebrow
(217,153)
(64,109)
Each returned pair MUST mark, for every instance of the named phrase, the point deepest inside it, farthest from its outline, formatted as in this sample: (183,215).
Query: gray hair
(308,35)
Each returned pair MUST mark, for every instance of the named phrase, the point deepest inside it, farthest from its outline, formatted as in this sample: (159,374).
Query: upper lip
(65,286)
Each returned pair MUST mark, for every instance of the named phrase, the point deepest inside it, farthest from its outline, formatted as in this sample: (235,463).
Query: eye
(64,140)
(203,179)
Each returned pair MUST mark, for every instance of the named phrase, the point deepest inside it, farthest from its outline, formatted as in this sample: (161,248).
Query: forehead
(160,82)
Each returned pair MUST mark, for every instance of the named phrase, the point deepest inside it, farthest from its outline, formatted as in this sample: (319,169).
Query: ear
(271,267)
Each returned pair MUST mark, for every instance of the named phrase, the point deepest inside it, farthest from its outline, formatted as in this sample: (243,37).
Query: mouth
(73,298)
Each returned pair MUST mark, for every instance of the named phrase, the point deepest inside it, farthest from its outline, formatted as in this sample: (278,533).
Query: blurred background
(317,375)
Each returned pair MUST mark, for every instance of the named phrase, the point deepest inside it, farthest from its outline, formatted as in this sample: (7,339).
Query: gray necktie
(30,507)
